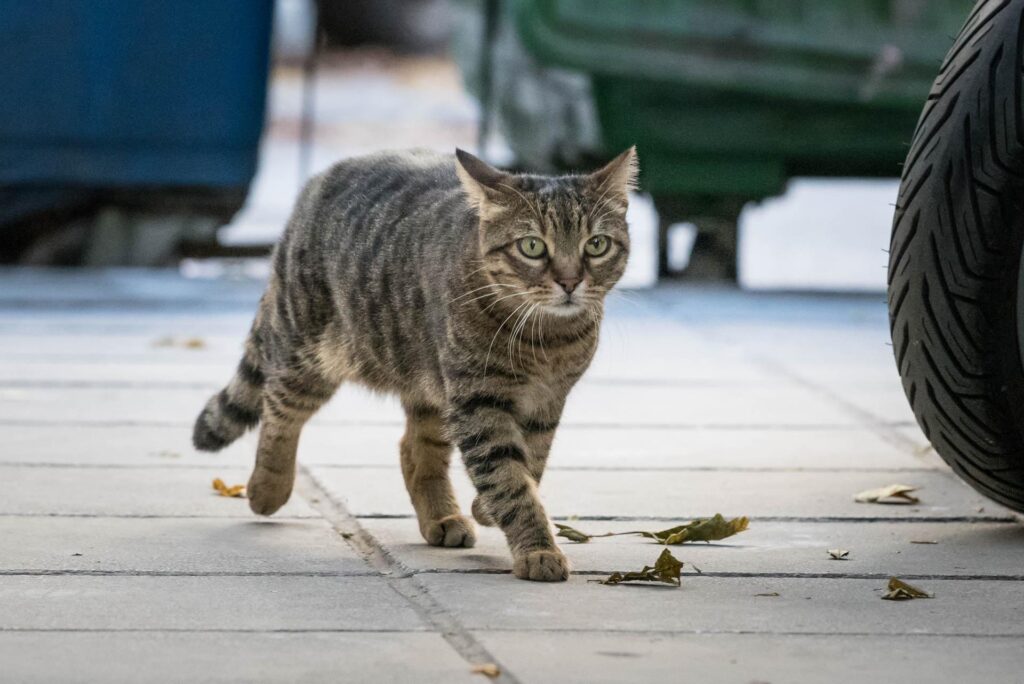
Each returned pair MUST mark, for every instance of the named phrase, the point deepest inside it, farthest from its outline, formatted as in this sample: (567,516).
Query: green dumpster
(725,99)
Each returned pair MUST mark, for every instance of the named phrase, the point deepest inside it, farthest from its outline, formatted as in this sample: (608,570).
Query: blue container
(132,93)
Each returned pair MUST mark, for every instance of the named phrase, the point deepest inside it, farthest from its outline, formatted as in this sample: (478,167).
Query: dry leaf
(923,541)
(489,669)
(185,343)
(769,594)
(702,529)
(893,494)
(901,591)
(224,490)
(665,570)
(839,554)
(572,534)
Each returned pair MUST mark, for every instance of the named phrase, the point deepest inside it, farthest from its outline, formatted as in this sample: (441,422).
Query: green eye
(597,245)
(532,247)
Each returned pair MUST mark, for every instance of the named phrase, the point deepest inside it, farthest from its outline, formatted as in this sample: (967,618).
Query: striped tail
(233,410)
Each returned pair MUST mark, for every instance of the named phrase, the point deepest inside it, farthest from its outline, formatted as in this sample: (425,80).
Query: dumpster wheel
(956,277)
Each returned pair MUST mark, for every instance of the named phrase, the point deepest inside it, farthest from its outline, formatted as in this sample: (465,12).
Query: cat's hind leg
(290,398)
(426,454)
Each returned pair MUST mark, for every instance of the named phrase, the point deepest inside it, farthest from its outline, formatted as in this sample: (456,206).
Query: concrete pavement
(119,563)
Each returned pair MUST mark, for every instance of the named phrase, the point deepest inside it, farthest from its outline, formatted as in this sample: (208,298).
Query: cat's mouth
(568,306)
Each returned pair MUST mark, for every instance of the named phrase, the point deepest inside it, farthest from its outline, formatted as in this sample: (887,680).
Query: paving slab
(589,404)
(133,446)
(262,603)
(231,657)
(575,447)
(601,658)
(127,492)
(27,286)
(183,372)
(98,346)
(886,402)
(687,494)
(876,548)
(174,546)
(720,604)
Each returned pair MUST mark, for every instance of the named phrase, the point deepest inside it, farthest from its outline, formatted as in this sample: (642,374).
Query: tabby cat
(473,294)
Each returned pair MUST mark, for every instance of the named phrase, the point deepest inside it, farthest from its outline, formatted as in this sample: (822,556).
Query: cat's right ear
(481,181)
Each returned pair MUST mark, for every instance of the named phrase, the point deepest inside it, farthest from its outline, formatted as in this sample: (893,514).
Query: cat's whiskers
(517,330)
(475,271)
(500,299)
(487,359)
(477,289)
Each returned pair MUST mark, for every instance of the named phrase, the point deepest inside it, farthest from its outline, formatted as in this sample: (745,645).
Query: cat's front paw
(541,566)
(480,515)
(267,493)
(453,531)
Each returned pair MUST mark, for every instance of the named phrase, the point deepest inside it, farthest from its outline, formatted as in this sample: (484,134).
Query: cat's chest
(547,388)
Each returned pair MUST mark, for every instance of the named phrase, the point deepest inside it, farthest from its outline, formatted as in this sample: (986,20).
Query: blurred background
(770,133)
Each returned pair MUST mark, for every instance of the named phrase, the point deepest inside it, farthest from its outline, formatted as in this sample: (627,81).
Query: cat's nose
(568,284)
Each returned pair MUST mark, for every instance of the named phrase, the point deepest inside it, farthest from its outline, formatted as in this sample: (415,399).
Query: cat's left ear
(617,177)
(481,181)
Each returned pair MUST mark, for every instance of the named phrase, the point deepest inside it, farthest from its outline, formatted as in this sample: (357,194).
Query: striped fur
(407,273)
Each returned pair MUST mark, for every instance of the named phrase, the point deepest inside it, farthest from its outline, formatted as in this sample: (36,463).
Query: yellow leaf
(186,343)
(572,534)
(893,494)
(901,591)
(702,529)
(488,669)
(224,490)
(665,570)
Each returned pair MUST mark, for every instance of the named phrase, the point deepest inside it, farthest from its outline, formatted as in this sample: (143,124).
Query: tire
(956,279)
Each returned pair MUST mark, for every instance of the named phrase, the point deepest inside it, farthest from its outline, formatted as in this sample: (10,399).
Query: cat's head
(560,242)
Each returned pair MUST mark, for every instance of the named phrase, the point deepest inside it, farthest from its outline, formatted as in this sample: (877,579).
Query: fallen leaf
(572,534)
(186,343)
(489,669)
(839,554)
(901,591)
(665,570)
(224,490)
(702,529)
(893,494)
(923,541)
(76,554)
(770,594)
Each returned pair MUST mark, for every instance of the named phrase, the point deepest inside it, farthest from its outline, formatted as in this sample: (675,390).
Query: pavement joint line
(767,518)
(57,383)
(397,575)
(884,429)
(880,576)
(868,419)
(49,305)
(211,630)
(173,573)
(1007,519)
(151,516)
(168,463)
(499,571)
(709,427)
(538,630)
